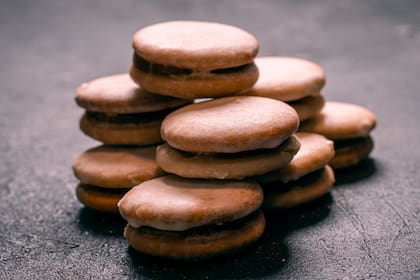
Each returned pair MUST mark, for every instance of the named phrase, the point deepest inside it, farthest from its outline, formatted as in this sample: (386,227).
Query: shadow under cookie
(100,223)
(362,171)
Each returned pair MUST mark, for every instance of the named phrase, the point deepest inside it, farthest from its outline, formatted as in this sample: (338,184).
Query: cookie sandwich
(349,126)
(119,112)
(228,138)
(293,80)
(192,59)
(188,219)
(305,178)
(106,173)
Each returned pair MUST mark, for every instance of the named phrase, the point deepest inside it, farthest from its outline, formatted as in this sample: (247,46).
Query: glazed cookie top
(230,125)
(287,78)
(175,203)
(116,166)
(314,153)
(195,45)
(120,95)
(339,120)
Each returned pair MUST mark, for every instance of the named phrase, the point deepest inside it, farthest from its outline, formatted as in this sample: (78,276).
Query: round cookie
(315,152)
(118,94)
(308,107)
(193,59)
(116,166)
(230,125)
(100,199)
(352,152)
(339,120)
(197,243)
(195,44)
(176,204)
(287,78)
(225,166)
(300,192)
(144,131)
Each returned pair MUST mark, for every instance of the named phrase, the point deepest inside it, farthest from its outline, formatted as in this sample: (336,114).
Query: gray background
(367,228)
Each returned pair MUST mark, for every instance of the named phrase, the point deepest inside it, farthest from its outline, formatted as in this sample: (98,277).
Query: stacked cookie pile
(207,207)
(127,120)
(224,157)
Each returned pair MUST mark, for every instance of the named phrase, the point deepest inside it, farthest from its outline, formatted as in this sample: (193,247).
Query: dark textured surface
(367,228)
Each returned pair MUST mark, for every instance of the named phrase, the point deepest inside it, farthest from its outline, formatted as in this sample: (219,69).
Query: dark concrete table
(368,228)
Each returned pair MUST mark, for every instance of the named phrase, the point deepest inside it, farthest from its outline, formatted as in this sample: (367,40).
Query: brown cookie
(351,152)
(197,243)
(116,166)
(225,166)
(140,130)
(191,59)
(106,173)
(315,152)
(120,112)
(287,78)
(295,193)
(118,94)
(349,125)
(189,219)
(101,199)
(339,120)
(230,125)
(177,204)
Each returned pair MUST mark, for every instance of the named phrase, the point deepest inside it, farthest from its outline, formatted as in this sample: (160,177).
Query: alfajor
(194,59)
(228,138)
(293,80)
(106,173)
(349,126)
(305,178)
(119,112)
(189,219)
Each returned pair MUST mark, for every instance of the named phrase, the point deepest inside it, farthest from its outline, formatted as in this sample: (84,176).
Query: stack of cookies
(223,157)
(127,120)
(207,207)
